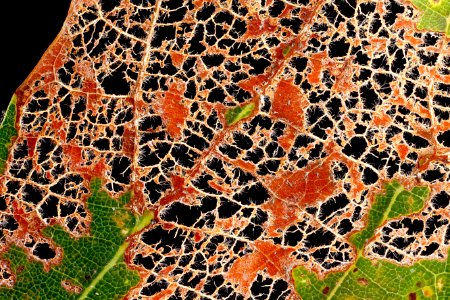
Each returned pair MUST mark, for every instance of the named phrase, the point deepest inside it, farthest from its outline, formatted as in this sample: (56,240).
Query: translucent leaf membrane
(347,95)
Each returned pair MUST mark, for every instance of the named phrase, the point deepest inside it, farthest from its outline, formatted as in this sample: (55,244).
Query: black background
(27,28)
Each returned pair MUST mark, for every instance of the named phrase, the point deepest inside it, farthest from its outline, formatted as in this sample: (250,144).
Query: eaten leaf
(260,133)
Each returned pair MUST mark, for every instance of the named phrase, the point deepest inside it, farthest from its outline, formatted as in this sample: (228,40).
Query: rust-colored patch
(265,256)
(381,119)
(256,27)
(343,73)
(410,38)
(288,103)
(358,185)
(173,111)
(177,59)
(245,165)
(74,152)
(198,236)
(138,202)
(308,13)
(230,224)
(168,226)
(425,160)
(129,139)
(316,62)
(437,76)
(306,186)
(58,127)
(380,7)
(177,188)
(178,192)
(219,187)
(363,281)
(75,155)
(254,82)
(376,45)
(28,222)
(71,287)
(282,214)
(288,138)
(31,143)
(326,290)
(165,271)
(402,150)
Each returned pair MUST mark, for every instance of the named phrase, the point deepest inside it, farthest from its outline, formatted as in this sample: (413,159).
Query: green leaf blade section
(395,202)
(235,114)
(368,279)
(95,263)
(436,15)
(7,132)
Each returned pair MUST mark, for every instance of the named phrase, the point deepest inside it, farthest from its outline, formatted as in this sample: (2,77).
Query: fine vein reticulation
(257,131)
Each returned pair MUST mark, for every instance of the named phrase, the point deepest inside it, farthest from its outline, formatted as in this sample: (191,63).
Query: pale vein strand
(108,266)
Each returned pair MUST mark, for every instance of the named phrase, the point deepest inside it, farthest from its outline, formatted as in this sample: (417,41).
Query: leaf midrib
(397,193)
(140,223)
(108,266)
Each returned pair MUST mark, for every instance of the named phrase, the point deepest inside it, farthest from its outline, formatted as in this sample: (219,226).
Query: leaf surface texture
(258,132)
